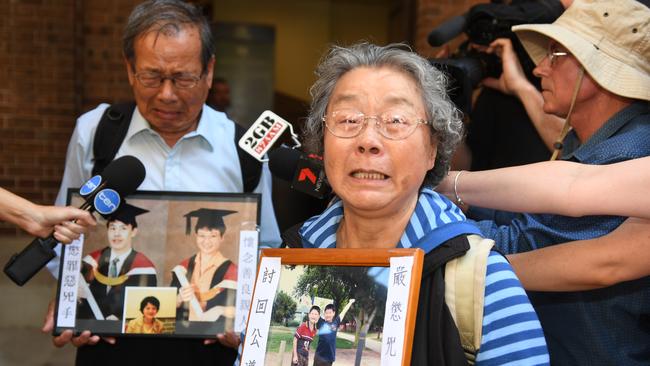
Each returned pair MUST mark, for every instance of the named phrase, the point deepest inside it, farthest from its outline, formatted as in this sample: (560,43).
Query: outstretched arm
(42,220)
(559,187)
(619,256)
(345,309)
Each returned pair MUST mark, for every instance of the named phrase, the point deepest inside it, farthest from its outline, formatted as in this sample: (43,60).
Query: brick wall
(58,58)
(431,13)
(37,98)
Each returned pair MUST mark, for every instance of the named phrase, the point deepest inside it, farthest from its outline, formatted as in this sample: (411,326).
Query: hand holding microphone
(40,220)
(102,194)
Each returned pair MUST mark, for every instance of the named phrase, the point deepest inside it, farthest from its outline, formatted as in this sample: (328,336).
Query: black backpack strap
(114,125)
(251,168)
(110,133)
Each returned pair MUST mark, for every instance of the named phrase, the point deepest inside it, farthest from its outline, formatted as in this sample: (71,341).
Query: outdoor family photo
(327,315)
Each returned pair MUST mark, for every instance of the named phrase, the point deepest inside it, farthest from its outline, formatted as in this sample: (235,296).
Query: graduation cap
(127,213)
(207,218)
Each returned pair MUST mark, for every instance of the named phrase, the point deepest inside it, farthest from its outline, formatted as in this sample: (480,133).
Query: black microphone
(102,193)
(305,171)
(447,31)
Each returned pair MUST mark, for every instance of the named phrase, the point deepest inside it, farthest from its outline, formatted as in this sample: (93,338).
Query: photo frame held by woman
(352,306)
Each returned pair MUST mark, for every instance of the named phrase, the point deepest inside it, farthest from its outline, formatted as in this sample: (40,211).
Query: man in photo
(207,281)
(109,270)
(327,328)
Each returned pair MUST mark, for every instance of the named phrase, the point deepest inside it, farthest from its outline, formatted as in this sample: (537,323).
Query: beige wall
(303,31)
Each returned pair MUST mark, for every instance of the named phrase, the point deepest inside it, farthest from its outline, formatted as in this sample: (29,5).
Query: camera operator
(500,132)
(513,82)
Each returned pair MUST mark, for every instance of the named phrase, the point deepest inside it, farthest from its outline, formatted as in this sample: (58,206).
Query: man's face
(559,79)
(170,110)
(120,235)
(208,241)
(329,315)
(219,96)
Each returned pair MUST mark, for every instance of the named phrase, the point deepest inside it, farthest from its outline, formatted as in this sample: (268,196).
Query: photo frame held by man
(342,306)
(195,245)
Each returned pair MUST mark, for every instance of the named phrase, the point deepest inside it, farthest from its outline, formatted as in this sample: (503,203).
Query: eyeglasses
(393,125)
(552,53)
(155,80)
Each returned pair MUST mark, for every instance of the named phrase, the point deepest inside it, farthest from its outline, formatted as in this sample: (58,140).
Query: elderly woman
(382,120)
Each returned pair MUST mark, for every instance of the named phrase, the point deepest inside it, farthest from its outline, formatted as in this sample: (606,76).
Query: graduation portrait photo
(193,247)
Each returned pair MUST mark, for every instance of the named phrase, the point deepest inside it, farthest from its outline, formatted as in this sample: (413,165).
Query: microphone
(262,134)
(305,171)
(447,31)
(102,193)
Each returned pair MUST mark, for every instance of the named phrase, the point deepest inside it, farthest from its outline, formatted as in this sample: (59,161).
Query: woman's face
(208,241)
(373,175)
(149,312)
(314,315)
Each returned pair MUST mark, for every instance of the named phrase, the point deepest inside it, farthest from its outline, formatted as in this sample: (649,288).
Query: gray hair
(446,124)
(167,17)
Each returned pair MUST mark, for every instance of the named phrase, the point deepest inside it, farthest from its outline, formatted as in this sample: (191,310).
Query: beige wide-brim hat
(610,38)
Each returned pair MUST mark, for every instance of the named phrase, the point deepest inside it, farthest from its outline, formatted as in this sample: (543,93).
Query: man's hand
(186,292)
(512,79)
(85,338)
(44,219)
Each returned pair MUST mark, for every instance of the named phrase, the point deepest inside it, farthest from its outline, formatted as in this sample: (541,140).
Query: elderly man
(185,145)
(594,68)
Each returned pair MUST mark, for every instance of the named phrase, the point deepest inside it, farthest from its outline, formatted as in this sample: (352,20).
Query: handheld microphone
(102,193)
(305,171)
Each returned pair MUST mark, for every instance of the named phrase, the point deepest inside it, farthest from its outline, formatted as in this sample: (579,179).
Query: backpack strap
(110,133)
(114,125)
(465,293)
(251,168)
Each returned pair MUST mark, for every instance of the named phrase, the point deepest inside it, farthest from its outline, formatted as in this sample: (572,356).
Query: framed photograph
(165,264)
(341,306)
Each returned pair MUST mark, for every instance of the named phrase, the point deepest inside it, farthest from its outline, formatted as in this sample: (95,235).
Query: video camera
(482,24)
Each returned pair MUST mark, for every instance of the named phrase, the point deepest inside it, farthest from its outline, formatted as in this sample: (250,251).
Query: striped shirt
(511,331)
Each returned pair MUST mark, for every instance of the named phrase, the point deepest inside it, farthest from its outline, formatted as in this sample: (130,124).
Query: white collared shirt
(204,160)
(120,260)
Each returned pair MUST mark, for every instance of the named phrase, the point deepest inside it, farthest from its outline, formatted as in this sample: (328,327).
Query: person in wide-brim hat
(610,39)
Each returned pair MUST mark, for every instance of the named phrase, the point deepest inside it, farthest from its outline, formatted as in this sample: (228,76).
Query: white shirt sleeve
(78,165)
(269,232)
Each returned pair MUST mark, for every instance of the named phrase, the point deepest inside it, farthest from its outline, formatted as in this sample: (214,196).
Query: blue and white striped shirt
(511,331)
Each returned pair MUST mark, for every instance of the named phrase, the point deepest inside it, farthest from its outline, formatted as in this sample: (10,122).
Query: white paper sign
(259,321)
(248,243)
(399,283)
(67,310)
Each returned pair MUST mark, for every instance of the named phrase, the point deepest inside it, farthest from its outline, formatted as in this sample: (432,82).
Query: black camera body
(482,24)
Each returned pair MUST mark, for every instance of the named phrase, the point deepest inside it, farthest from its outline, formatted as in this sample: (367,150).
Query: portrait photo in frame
(347,306)
(199,247)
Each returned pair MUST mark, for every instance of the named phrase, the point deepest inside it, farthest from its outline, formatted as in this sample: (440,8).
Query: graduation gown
(137,270)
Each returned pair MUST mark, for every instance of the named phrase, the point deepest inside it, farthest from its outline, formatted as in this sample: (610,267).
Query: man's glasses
(155,80)
(552,53)
(393,125)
